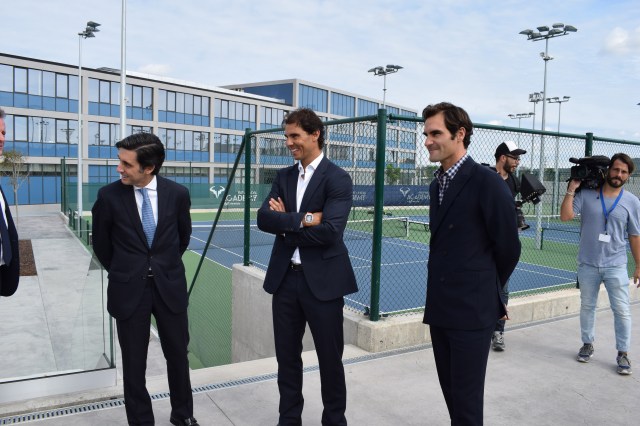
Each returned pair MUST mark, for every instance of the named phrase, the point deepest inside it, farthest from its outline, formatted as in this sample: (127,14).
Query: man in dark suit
(9,249)
(309,271)
(474,248)
(141,227)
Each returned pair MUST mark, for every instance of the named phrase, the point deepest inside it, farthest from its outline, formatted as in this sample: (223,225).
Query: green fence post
(378,206)
(247,196)
(588,146)
(63,184)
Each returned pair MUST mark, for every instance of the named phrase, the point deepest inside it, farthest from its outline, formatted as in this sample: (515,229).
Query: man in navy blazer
(473,250)
(9,271)
(146,273)
(309,271)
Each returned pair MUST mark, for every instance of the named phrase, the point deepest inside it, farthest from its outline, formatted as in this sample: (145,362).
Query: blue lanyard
(604,209)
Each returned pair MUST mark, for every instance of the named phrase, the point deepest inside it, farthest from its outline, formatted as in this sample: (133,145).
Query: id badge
(605,238)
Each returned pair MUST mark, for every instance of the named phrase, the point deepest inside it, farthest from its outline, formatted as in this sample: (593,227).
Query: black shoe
(184,422)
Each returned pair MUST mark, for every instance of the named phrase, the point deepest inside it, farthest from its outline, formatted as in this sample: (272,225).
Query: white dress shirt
(304,176)
(152,191)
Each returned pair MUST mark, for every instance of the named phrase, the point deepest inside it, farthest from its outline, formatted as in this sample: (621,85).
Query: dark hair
(454,119)
(625,159)
(2,114)
(148,148)
(308,121)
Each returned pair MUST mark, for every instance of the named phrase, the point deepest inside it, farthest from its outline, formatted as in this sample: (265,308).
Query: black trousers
(461,361)
(293,306)
(504,291)
(133,335)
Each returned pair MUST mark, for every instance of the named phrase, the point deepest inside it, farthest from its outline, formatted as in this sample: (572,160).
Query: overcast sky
(465,52)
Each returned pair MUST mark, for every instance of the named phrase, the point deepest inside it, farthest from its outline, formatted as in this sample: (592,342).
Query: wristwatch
(308,218)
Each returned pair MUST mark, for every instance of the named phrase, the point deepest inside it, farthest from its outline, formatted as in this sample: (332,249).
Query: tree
(13,165)
(393,174)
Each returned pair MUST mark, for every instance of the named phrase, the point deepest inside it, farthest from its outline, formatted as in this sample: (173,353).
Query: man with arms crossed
(309,271)
(473,250)
(607,215)
(141,227)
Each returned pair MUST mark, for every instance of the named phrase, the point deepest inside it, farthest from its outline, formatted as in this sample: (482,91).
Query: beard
(615,182)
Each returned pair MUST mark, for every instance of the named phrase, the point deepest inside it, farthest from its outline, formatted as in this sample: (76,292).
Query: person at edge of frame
(9,246)
(607,215)
(473,249)
(309,272)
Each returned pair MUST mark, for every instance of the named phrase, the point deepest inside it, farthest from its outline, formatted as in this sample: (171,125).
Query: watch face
(308,218)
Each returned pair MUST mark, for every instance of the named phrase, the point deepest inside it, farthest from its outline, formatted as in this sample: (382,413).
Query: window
(185,145)
(234,115)
(367,107)
(183,108)
(343,105)
(314,98)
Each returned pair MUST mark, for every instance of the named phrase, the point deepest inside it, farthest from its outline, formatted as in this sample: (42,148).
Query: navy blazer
(10,274)
(121,246)
(324,256)
(474,248)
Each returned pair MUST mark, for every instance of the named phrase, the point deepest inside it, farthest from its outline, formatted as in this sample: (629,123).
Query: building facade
(201,126)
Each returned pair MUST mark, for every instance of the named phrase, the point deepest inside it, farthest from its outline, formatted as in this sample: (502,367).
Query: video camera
(530,191)
(591,171)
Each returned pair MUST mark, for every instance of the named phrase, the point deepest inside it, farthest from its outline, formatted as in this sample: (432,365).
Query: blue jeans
(616,281)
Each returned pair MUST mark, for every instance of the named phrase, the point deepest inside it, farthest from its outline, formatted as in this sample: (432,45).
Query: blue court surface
(403,273)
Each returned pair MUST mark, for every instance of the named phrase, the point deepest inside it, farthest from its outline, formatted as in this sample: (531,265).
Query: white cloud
(620,41)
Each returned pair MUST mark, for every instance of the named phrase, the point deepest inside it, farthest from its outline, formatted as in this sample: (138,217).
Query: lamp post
(383,71)
(89,32)
(534,97)
(545,33)
(520,116)
(556,181)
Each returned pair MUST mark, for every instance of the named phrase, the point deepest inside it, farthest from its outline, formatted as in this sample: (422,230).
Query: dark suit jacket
(474,249)
(324,256)
(121,246)
(10,274)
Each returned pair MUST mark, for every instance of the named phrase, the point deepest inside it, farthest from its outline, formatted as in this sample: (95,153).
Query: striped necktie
(148,222)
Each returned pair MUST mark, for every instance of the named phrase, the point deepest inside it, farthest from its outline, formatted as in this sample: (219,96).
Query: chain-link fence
(388,232)
(388,229)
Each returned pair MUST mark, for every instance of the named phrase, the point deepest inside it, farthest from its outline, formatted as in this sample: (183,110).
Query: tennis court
(405,249)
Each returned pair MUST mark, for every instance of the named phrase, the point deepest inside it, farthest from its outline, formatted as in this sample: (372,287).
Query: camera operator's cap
(509,148)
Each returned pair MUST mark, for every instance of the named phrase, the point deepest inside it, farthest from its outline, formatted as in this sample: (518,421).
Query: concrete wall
(252,325)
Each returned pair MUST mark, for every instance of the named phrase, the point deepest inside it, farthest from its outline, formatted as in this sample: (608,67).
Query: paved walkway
(536,381)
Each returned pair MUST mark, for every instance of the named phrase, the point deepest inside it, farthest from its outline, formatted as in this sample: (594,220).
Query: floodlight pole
(556,181)
(123,72)
(520,116)
(383,71)
(534,97)
(88,32)
(545,33)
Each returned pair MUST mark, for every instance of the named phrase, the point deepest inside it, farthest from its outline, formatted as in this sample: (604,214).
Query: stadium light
(556,181)
(88,32)
(545,33)
(519,117)
(383,71)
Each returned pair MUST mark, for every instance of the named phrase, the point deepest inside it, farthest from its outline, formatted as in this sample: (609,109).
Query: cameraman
(507,160)
(607,214)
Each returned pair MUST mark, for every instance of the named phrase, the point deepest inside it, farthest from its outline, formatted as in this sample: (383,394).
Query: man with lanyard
(507,161)
(608,214)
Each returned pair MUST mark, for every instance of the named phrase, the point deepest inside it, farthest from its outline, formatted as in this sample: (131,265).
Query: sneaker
(497,341)
(586,352)
(624,365)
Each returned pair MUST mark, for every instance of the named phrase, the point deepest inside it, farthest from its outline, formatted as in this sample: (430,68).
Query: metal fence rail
(387,233)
